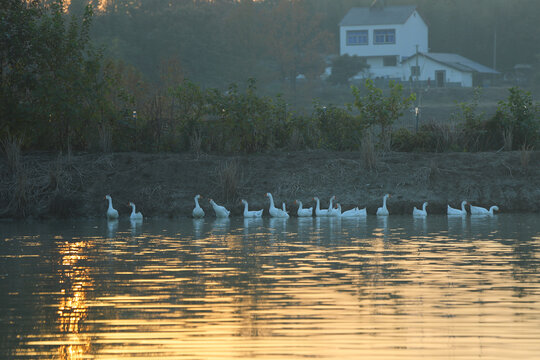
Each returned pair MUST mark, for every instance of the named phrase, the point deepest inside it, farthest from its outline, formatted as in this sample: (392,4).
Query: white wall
(428,68)
(408,35)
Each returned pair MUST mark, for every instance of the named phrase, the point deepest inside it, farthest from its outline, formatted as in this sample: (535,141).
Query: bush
(339,129)
(431,137)
(518,118)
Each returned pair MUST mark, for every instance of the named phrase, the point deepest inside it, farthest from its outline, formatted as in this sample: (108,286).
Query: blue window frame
(357,37)
(386,36)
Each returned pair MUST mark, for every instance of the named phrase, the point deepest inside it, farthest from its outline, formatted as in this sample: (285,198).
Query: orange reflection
(73,308)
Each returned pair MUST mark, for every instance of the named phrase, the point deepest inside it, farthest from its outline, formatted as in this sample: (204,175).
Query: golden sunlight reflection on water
(375,288)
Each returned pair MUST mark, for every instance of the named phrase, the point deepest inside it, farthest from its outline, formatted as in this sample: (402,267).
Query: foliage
(429,137)
(247,122)
(519,118)
(377,109)
(346,66)
(339,129)
(471,123)
(295,40)
(53,89)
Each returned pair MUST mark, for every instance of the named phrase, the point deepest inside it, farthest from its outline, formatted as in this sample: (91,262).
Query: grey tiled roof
(378,16)
(459,62)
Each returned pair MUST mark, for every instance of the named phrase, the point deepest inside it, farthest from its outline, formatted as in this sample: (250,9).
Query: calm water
(272,289)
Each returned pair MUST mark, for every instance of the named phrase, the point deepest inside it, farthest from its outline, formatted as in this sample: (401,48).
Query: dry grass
(105,138)
(525,156)
(296,140)
(369,154)
(195,144)
(11,146)
(508,139)
(229,176)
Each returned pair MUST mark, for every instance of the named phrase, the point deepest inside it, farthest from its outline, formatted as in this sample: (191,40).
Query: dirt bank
(164,184)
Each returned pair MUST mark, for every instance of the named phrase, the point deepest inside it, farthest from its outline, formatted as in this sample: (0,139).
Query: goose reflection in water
(198,227)
(252,223)
(420,223)
(457,224)
(135,226)
(112,227)
(277,226)
(305,223)
(481,224)
(221,225)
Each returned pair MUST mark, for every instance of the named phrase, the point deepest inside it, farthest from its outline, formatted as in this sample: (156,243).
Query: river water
(377,288)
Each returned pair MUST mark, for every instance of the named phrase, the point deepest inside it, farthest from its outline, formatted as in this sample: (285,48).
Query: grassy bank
(163,185)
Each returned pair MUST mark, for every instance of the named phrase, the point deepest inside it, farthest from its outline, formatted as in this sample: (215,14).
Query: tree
(377,109)
(346,66)
(296,40)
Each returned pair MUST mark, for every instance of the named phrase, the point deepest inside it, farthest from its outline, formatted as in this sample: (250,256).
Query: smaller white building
(444,69)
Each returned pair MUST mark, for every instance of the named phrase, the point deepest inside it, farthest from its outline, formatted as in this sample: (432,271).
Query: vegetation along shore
(77,123)
(163,185)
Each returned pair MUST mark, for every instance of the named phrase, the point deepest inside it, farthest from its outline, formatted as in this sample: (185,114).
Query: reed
(11,146)
(525,156)
(229,177)
(367,149)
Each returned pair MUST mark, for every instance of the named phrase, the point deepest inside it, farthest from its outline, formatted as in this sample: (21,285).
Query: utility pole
(417,67)
(495,48)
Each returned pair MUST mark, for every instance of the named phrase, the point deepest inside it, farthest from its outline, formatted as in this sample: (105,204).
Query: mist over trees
(222,41)
(163,75)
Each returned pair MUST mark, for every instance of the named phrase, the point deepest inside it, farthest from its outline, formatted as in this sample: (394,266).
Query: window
(357,37)
(390,61)
(387,36)
(415,70)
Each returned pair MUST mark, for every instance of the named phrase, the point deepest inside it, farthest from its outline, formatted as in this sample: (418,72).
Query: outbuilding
(446,69)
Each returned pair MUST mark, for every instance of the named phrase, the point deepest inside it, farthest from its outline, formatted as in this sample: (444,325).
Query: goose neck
(271,200)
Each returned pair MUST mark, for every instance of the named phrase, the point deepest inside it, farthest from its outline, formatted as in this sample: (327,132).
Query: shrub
(377,109)
(518,118)
(339,129)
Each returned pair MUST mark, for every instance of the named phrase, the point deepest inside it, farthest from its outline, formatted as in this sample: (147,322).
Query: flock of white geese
(333,210)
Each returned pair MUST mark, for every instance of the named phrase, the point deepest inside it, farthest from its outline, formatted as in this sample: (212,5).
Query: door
(440,76)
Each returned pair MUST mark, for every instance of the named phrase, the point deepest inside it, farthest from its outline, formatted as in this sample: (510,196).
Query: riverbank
(163,185)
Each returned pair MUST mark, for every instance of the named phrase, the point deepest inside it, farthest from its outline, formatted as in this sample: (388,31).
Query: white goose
(423,212)
(332,210)
(112,213)
(134,215)
(453,211)
(318,210)
(355,212)
(251,214)
(383,211)
(361,212)
(197,212)
(303,212)
(477,210)
(221,211)
(275,212)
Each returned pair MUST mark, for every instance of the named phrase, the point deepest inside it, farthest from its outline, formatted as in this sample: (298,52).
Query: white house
(393,40)
(442,69)
(384,37)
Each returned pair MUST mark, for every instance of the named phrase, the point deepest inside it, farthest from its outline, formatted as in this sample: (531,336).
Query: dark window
(415,70)
(390,61)
(386,36)
(357,37)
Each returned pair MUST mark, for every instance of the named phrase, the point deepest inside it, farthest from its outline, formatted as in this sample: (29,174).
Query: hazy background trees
(222,41)
(118,74)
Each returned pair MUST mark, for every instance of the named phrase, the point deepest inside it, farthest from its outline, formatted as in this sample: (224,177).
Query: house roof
(387,15)
(457,62)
